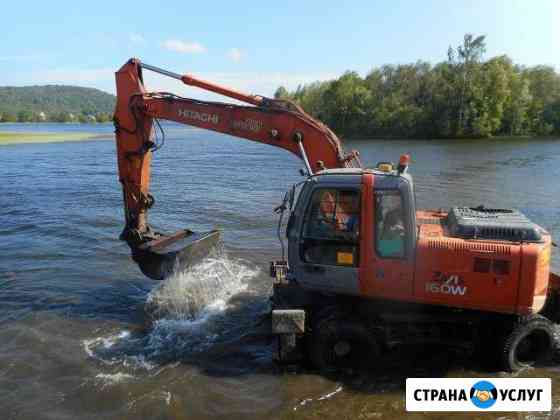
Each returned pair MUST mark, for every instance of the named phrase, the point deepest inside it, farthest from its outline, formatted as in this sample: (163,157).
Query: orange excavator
(276,122)
(365,270)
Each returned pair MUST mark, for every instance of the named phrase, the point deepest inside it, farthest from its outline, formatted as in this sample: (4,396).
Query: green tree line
(463,96)
(63,117)
(55,103)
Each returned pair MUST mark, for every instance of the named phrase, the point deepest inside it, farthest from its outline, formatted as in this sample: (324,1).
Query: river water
(77,339)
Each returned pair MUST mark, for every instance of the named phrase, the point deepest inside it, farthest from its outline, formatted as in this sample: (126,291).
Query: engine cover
(498,224)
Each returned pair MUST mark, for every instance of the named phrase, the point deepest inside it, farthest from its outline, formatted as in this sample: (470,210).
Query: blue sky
(257,45)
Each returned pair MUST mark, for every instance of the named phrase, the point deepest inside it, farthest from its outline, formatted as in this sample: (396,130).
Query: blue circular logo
(483,394)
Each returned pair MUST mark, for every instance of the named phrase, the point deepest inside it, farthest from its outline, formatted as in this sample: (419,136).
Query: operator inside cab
(390,232)
(331,232)
(339,216)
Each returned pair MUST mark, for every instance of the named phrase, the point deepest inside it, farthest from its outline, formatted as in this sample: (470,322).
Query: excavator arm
(275,122)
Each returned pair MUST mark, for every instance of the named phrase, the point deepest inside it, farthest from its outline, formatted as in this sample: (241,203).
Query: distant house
(42,116)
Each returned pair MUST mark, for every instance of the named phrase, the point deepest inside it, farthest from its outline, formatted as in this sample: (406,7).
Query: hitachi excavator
(365,269)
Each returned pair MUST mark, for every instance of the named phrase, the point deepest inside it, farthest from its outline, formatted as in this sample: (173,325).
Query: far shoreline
(36,134)
(451,139)
(26,137)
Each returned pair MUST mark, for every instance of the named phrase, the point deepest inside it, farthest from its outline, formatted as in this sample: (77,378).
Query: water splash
(110,379)
(188,313)
(327,396)
(202,290)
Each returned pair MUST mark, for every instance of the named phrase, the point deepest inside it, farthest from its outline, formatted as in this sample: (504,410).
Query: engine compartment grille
(499,224)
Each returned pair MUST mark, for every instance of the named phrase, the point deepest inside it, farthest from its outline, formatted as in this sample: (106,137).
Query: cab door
(328,238)
(388,237)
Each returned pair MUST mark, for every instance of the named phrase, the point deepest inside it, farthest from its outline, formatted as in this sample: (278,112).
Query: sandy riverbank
(16,137)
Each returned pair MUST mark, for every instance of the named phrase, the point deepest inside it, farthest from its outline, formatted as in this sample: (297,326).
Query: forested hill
(463,96)
(55,103)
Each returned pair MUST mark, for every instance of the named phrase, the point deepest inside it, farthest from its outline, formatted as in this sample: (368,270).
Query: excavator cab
(352,230)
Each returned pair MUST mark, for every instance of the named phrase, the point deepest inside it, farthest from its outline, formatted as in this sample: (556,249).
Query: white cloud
(184,47)
(136,38)
(235,54)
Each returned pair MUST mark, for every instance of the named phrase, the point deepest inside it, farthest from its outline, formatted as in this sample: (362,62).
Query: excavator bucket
(161,257)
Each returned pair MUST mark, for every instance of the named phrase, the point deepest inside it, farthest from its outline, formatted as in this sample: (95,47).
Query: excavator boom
(275,122)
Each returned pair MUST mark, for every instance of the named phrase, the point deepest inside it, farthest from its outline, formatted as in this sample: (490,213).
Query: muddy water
(84,335)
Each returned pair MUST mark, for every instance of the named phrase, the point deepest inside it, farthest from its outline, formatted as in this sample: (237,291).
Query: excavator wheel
(338,342)
(532,340)
(551,308)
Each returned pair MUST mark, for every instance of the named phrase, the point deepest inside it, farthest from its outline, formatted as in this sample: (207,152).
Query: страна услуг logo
(483,394)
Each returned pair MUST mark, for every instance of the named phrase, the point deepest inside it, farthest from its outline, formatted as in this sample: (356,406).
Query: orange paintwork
(366,236)
(438,252)
(269,121)
(496,276)
(253,123)
(134,167)
(442,271)
(212,87)
(389,278)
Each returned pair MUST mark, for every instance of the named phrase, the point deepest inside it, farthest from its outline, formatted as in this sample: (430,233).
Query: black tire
(342,343)
(532,341)
(551,308)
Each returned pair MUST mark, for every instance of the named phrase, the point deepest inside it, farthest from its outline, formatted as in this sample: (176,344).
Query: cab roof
(349,176)
(354,171)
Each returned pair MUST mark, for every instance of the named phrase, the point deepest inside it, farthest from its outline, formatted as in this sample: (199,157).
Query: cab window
(331,228)
(390,231)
